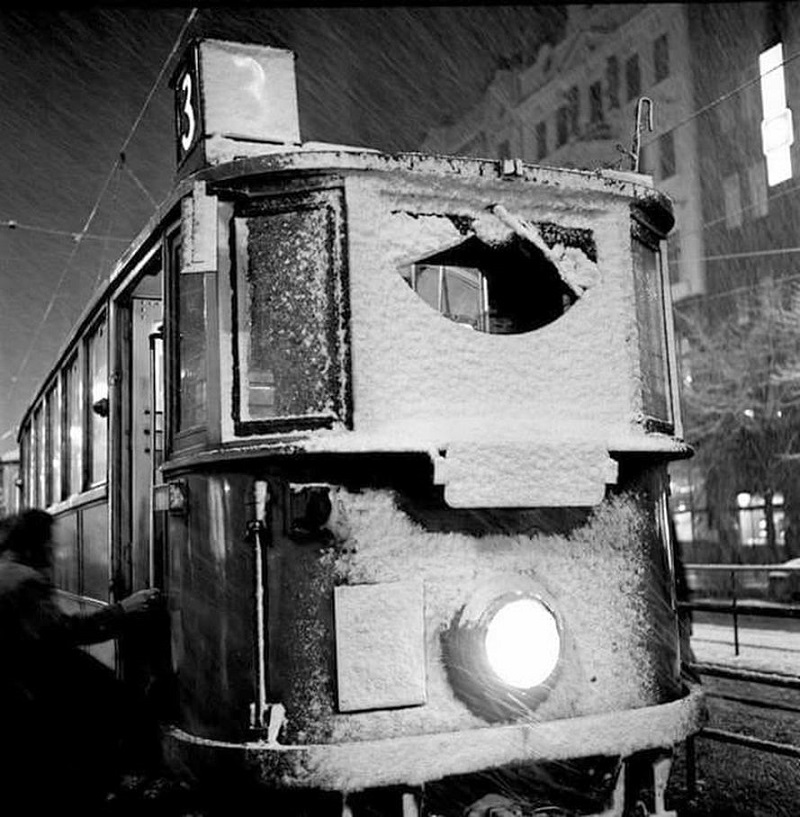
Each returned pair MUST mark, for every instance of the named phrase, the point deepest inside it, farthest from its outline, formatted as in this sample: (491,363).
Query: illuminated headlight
(503,649)
(522,643)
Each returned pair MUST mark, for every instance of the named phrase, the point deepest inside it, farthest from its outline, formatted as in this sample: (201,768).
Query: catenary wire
(35,337)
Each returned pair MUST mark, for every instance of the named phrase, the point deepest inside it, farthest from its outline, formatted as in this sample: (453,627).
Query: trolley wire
(79,237)
(12,224)
(723,98)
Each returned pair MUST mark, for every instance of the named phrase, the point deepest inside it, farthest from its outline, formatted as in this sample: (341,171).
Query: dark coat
(59,705)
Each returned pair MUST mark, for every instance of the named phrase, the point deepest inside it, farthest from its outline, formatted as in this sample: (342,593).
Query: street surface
(741,781)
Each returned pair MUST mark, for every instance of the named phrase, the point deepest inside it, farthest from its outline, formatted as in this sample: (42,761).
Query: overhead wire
(79,237)
(12,224)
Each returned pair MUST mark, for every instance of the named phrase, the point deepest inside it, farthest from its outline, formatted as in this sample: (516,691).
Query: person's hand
(142,601)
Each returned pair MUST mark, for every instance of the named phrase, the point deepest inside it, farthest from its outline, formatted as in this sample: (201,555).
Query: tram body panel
(397,404)
(618,653)
(211,605)
(413,366)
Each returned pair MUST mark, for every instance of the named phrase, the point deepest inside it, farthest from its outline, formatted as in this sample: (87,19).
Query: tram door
(142,556)
(141,548)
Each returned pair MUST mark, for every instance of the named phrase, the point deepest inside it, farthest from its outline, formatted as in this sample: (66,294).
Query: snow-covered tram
(391,432)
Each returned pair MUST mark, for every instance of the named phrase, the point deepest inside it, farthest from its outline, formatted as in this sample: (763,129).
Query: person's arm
(92,627)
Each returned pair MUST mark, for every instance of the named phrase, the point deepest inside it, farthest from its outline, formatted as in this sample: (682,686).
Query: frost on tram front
(430,536)
(419,413)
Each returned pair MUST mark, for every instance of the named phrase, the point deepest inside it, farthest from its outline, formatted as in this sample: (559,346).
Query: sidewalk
(764,650)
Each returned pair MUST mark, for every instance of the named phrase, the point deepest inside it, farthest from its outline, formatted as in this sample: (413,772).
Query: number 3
(188,137)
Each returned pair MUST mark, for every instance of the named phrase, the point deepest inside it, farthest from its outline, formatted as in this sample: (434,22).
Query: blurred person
(68,723)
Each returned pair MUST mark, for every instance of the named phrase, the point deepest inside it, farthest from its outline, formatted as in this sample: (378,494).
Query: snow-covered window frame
(290,328)
(651,319)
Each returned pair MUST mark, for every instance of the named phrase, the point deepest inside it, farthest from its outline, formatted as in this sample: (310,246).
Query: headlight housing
(503,649)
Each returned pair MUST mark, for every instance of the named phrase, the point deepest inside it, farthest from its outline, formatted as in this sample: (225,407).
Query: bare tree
(741,398)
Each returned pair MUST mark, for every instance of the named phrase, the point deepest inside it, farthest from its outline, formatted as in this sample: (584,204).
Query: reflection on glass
(503,290)
(652,331)
(74,447)
(98,374)
(38,427)
(192,351)
(457,292)
(54,445)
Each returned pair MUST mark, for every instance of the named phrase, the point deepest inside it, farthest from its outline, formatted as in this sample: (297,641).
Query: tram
(391,432)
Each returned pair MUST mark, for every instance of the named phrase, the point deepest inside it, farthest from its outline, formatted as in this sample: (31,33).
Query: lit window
(777,132)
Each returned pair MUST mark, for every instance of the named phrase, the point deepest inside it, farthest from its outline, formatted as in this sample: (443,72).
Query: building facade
(724,80)
(576,106)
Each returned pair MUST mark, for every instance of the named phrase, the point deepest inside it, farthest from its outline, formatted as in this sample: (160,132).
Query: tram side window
(650,307)
(97,368)
(73,448)
(26,455)
(190,318)
(289,302)
(39,442)
(53,419)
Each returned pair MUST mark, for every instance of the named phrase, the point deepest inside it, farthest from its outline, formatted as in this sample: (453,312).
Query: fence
(778,585)
(773,581)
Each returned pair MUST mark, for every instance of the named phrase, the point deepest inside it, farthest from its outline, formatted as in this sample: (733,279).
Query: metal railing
(737,602)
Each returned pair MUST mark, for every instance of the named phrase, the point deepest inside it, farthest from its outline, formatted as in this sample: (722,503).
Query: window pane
(633,77)
(191,351)
(667,155)
(500,290)
(427,284)
(674,257)
(54,445)
(27,467)
(74,441)
(98,404)
(288,310)
(573,100)
(38,427)
(462,299)
(612,78)
(562,125)
(595,103)
(541,141)
(652,331)
(661,58)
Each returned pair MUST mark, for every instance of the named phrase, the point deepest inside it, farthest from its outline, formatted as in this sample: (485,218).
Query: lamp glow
(523,643)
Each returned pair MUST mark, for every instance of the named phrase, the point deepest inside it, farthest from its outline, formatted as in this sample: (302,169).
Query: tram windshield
(503,290)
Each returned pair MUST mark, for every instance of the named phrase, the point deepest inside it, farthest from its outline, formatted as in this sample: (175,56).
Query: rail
(738,604)
(775,679)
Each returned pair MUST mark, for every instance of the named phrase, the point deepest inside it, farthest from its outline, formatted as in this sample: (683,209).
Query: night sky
(74,81)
